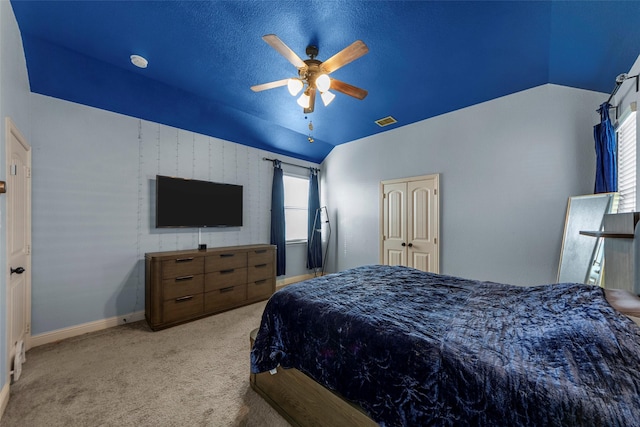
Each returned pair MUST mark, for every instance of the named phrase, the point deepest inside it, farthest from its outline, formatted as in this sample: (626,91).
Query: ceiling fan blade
(270,85)
(312,101)
(284,50)
(348,89)
(350,53)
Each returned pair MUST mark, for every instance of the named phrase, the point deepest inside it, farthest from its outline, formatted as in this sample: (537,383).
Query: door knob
(404,244)
(410,245)
(18,270)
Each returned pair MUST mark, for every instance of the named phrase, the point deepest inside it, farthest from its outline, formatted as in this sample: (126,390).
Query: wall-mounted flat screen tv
(184,202)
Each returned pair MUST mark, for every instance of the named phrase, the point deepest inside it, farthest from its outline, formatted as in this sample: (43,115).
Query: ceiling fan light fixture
(323,82)
(304,100)
(294,86)
(327,97)
(313,74)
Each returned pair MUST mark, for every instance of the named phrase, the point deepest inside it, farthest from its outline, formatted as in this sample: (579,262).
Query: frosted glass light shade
(327,97)
(323,83)
(304,100)
(294,86)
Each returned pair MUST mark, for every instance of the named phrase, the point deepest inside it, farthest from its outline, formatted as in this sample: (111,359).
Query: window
(296,207)
(626,132)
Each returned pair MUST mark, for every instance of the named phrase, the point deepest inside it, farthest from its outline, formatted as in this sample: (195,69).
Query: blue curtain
(314,235)
(606,163)
(278,237)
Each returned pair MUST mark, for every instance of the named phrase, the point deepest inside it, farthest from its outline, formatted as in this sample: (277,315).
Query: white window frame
(627,161)
(304,208)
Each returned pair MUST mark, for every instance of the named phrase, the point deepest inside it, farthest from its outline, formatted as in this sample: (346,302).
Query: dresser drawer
(228,297)
(225,278)
(182,285)
(182,308)
(261,256)
(260,288)
(182,266)
(185,285)
(260,271)
(225,261)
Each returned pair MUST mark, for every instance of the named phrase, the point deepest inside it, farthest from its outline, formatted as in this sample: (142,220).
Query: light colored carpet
(196,374)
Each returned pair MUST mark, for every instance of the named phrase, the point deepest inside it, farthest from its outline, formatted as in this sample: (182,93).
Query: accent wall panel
(94,206)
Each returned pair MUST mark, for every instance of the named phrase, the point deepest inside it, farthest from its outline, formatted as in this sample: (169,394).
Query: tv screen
(184,202)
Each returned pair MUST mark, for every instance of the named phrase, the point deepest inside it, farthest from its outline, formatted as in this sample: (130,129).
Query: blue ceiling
(425,59)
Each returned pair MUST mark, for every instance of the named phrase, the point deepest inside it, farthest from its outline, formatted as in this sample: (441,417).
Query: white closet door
(395,224)
(410,223)
(422,225)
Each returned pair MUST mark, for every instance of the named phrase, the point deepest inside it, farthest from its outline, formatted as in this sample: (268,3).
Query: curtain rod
(290,164)
(619,80)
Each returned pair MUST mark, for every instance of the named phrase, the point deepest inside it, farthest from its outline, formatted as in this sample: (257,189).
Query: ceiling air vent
(386,121)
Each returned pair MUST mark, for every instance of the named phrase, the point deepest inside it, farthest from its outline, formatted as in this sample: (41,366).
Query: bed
(400,347)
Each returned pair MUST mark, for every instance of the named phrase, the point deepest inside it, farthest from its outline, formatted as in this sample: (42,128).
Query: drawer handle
(183,278)
(261,265)
(184,259)
(260,282)
(231,270)
(183,299)
(229,289)
(226,255)
(261,251)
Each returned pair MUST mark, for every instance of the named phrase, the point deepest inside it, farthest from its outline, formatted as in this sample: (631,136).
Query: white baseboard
(4,397)
(98,325)
(295,279)
(73,331)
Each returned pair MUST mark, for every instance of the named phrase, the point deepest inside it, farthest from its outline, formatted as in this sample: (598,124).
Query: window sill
(296,242)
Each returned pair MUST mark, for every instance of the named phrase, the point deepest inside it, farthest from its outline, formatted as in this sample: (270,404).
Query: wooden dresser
(186,285)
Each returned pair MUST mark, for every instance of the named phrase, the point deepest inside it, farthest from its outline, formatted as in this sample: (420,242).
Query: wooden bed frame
(304,402)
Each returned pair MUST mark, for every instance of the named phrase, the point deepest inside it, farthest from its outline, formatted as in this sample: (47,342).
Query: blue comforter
(414,348)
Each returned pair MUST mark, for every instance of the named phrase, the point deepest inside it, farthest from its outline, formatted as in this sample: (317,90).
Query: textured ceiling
(425,59)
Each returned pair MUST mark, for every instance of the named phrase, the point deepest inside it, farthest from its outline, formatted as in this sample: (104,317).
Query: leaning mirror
(581,256)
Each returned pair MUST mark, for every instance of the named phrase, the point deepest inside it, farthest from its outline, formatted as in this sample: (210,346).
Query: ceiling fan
(313,75)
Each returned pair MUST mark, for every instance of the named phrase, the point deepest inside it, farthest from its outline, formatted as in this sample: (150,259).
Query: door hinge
(435,191)
(28,170)
(435,240)
(28,250)
(13,170)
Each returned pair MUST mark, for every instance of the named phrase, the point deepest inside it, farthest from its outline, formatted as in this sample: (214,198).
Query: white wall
(93,206)
(14,103)
(507,168)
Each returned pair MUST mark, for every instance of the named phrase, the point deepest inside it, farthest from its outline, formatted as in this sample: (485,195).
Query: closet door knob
(410,245)
(404,244)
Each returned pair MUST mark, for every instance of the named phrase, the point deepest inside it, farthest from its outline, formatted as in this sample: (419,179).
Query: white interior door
(422,224)
(394,224)
(18,246)
(410,223)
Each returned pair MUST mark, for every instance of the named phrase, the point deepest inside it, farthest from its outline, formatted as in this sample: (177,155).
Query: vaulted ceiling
(425,59)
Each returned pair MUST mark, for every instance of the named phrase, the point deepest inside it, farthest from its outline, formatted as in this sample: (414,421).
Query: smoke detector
(139,61)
